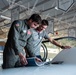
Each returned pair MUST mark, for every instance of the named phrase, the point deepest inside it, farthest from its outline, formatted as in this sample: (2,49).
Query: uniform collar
(25,21)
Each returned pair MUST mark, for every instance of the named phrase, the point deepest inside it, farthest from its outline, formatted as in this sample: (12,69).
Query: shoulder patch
(29,32)
(24,31)
(17,24)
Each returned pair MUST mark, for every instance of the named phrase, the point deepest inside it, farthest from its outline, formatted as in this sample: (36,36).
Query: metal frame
(63,9)
(45,52)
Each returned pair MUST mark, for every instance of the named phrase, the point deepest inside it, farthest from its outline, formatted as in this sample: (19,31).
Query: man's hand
(38,60)
(23,59)
(65,47)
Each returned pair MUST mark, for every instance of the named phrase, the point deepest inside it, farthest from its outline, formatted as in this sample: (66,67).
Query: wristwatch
(62,47)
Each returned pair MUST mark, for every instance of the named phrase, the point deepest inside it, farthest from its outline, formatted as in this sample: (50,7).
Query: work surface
(68,67)
(52,69)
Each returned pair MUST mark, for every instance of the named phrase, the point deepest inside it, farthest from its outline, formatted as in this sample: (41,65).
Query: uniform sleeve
(46,35)
(16,35)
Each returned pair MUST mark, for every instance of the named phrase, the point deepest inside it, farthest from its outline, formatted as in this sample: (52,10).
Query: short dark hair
(44,22)
(36,18)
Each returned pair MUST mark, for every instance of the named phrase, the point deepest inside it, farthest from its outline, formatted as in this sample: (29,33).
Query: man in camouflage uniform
(13,55)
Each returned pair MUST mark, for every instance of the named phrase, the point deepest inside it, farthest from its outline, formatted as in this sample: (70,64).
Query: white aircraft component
(66,56)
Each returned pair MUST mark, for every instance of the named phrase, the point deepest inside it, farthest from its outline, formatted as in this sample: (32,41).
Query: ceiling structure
(48,9)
